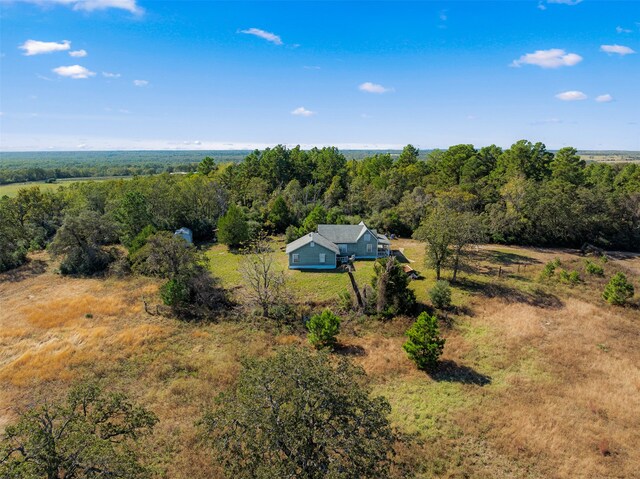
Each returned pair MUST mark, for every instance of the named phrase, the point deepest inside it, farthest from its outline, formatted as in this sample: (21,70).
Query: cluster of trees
(296,414)
(522,195)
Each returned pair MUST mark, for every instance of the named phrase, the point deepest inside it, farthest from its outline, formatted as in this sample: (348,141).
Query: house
(335,244)
(185,234)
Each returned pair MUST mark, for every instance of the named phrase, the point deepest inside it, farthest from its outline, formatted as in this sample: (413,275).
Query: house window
(312,244)
(295,258)
(369,248)
(323,257)
(367,237)
(343,248)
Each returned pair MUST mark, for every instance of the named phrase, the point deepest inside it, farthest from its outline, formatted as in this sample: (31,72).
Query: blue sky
(135,74)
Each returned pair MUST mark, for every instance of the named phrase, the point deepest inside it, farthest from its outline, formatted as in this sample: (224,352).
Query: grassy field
(12,188)
(538,379)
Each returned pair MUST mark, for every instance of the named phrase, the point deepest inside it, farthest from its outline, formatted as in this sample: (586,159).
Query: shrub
(593,268)
(79,242)
(549,269)
(141,238)
(619,290)
(569,277)
(174,292)
(440,295)
(323,329)
(345,300)
(391,285)
(233,229)
(424,346)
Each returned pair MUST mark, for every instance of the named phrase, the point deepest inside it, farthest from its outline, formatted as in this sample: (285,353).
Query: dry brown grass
(541,379)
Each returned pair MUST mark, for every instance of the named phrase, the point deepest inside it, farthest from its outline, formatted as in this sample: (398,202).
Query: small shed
(185,234)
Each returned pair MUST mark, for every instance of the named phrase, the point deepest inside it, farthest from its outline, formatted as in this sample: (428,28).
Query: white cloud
(565,2)
(91,5)
(268,36)
(373,88)
(78,53)
(111,75)
(619,49)
(606,98)
(311,67)
(571,96)
(622,30)
(140,82)
(74,71)
(541,6)
(35,47)
(443,15)
(553,58)
(302,111)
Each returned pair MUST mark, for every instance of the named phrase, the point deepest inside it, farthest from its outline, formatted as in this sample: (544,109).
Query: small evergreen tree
(619,290)
(207,165)
(323,329)
(424,345)
(233,229)
(279,216)
(391,285)
(593,268)
(440,295)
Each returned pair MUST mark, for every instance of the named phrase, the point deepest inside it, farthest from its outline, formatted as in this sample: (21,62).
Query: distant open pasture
(13,188)
(539,379)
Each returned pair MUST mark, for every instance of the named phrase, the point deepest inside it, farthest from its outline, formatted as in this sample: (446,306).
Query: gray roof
(382,239)
(342,233)
(308,238)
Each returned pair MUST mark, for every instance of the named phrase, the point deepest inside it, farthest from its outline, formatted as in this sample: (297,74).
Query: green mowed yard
(319,287)
(323,287)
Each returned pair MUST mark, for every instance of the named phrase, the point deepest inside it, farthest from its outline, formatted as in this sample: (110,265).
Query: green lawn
(308,286)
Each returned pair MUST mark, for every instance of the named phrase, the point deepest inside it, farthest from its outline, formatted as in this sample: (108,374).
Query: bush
(391,286)
(292,233)
(141,238)
(593,268)
(440,295)
(174,292)
(618,291)
(323,329)
(80,243)
(569,277)
(233,229)
(424,346)
(345,300)
(549,269)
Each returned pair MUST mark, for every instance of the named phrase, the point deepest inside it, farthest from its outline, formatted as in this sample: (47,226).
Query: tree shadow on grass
(400,257)
(349,350)
(537,298)
(504,258)
(32,268)
(450,371)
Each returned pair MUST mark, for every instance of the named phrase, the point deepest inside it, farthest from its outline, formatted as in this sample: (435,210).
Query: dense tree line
(522,195)
(33,173)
